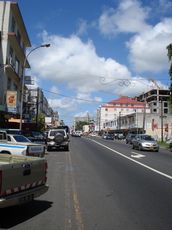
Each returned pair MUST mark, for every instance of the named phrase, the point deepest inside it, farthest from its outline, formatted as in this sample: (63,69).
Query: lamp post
(23,81)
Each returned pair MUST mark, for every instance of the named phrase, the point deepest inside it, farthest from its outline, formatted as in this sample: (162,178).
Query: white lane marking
(137,162)
(137,155)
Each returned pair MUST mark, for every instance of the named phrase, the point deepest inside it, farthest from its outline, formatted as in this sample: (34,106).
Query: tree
(79,125)
(40,122)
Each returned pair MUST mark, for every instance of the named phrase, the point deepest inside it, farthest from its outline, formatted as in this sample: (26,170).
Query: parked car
(129,138)
(22,142)
(57,139)
(169,141)
(145,142)
(108,136)
(35,136)
(120,136)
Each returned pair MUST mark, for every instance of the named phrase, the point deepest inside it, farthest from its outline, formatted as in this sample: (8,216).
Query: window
(165,110)
(19,37)
(9,83)
(154,110)
(11,56)
(106,109)
(17,66)
(15,87)
(165,104)
(13,25)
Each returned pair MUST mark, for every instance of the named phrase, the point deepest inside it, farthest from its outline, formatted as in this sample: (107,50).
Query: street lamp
(23,80)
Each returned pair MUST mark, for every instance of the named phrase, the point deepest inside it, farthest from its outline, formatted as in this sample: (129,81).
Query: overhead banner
(11,100)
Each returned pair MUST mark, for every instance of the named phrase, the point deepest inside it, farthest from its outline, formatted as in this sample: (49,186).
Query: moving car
(57,139)
(129,138)
(108,136)
(145,142)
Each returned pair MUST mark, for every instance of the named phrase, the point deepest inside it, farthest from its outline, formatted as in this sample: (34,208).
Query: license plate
(26,198)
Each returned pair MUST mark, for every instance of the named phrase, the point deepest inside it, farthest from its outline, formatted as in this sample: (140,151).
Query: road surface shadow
(9,217)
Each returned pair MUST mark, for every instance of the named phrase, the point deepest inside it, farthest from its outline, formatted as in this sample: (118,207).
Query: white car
(32,149)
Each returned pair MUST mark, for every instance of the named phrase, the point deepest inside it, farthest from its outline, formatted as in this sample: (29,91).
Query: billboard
(11,101)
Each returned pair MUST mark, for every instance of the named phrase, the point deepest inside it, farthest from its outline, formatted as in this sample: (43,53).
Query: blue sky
(99,50)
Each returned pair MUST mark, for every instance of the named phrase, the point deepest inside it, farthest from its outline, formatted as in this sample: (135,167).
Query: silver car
(145,142)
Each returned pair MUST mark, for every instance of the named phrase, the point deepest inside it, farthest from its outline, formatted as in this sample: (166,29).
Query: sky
(100,50)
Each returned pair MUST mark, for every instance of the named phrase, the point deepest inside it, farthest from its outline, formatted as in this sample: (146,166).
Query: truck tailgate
(21,174)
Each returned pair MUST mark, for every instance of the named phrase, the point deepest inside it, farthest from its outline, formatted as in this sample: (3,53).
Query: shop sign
(11,100)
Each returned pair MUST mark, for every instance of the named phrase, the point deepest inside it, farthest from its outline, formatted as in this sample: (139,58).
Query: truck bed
(20,175)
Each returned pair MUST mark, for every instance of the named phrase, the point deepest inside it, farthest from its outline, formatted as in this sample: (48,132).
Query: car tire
(66,148)
(133,147)
(48,148)
(59,138)
(140,148)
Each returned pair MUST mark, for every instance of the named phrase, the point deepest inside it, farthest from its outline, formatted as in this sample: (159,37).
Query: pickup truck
(22,179)
(9,145)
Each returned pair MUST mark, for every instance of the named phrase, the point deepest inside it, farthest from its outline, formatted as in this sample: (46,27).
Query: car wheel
(48,148)
(140,148)
(59,138)
(67,148)
(133,147)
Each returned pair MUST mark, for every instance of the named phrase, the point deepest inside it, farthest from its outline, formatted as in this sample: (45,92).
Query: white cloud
(147,47)
(74,63)
(82,27)
(129,17)
(147,51)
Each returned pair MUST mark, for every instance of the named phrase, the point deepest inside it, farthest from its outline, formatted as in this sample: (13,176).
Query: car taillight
(0,181)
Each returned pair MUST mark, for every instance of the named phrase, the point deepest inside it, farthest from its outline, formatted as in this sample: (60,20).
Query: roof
(125,100)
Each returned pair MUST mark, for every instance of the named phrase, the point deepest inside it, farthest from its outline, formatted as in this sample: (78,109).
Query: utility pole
(37,107)
(169,54)
(162,121)
(144,114)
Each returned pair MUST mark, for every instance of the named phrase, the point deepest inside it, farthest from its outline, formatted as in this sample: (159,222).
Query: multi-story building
(108,115)
(153,116)
(14,40)
(157,100)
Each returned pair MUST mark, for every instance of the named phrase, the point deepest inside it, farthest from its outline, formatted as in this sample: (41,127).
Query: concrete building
(108,115)
(153,116)
(14,40)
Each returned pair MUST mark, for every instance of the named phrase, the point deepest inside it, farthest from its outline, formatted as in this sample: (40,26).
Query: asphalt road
(100,185)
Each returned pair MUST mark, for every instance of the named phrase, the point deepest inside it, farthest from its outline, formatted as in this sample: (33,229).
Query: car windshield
(147,138)
(20,138)
(53,133)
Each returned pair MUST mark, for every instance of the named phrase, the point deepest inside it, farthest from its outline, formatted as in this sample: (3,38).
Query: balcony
(17,48)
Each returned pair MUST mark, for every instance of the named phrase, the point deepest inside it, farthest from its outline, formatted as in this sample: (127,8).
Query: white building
(109,114)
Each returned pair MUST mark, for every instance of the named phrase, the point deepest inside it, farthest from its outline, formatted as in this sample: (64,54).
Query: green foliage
(79,125)
(40,122)
(170,103)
